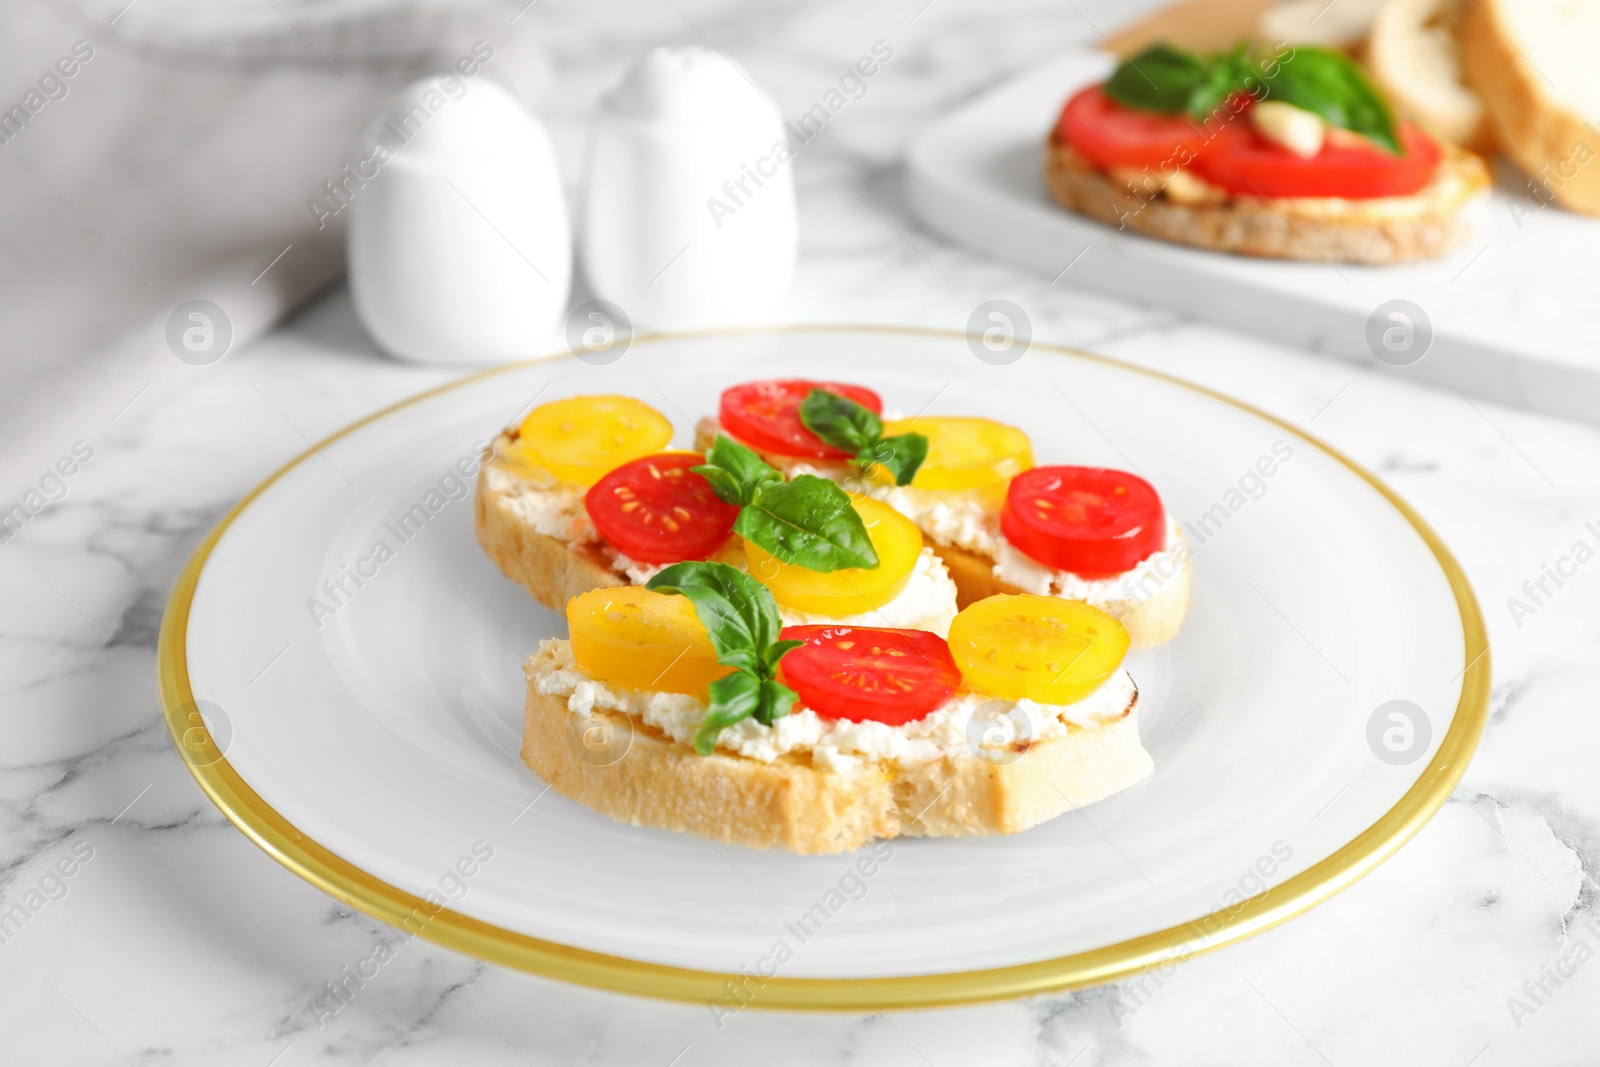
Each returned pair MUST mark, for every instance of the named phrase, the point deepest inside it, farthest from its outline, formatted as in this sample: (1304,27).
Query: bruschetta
(999,524)
(585,494)
(683,706)
(1290,154)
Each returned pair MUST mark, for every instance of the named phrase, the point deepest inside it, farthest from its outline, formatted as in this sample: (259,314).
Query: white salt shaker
(688,215)
(460,245)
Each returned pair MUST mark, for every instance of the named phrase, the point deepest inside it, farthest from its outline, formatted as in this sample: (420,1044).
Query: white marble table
(175,940)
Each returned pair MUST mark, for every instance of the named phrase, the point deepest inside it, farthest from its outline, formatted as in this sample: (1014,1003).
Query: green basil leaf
(900,455)
(728,629)
(727,487)
(739,696)
(738,612)
(1322,81)
(734,697)
(808,522)
(1160,79)
(1229,73)
(775,702)
(840,421)
(1329,83)
(775,652)
(742,619)
(743,473)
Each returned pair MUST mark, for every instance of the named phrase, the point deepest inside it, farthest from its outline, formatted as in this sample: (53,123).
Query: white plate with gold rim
(377,755)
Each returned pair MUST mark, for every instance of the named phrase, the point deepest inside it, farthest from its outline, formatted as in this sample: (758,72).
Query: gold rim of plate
(359,889)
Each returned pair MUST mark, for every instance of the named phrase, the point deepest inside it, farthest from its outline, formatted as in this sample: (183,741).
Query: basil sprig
(742,619)
(1163,79)
(1322,81)
(843,423)
(1329,84)
(807,521)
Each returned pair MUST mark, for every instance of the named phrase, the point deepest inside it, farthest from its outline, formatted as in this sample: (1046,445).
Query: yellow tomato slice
(854,590)
(638,639)
(581,438)
(1037,648)
(966,453)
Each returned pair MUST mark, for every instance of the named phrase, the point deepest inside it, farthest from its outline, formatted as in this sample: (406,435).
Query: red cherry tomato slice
(1110,135)
(1244,162)
(656,510)
(766,416)
(863,673)
(1087,520)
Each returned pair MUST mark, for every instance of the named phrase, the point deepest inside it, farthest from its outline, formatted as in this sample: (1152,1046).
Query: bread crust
(1536,131)
(551,569)
(1431,223)
(1448,113)
(1345,26)
(791,804)
(1152,621)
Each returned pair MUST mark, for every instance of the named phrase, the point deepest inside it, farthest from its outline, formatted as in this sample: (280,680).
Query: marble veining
(177,941)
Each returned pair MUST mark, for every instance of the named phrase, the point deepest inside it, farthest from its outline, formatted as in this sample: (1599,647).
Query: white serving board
(1515,315)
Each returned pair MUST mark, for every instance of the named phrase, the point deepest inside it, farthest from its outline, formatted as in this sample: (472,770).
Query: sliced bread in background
(1534,64)
(1413,57)
(1340,24)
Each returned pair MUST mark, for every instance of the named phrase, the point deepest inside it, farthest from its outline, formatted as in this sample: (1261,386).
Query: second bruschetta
(999,524)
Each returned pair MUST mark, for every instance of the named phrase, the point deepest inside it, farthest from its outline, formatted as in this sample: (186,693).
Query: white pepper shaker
(460,248)
(689,210)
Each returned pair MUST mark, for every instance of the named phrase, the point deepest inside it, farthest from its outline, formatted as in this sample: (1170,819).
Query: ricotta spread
(928,602)
(555,508)
(966,518)
(835,744)
(541,500)
(1133,586)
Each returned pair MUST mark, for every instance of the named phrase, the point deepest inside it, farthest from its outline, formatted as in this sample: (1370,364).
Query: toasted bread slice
(1151,617)
(1433,222)
(645,778)
(1413,57)
(553,570)
(1396,229)
(1532,63)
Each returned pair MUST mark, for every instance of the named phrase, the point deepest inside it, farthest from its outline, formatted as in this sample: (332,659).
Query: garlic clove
(1300,131)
